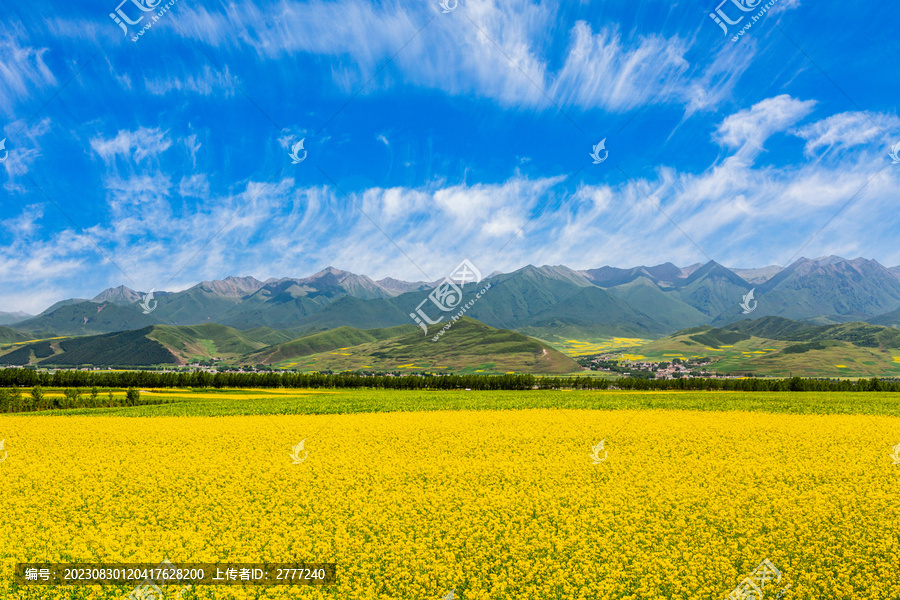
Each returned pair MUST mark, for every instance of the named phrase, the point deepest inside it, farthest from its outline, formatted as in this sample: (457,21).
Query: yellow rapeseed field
(493,504)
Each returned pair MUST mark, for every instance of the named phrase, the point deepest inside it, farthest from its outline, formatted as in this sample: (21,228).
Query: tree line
(11,378)
(13,400)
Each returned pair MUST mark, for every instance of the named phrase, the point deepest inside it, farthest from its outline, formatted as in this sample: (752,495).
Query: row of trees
(13,400)
(200,379)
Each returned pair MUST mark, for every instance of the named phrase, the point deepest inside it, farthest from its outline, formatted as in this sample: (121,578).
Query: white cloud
(192,146)
(784,6)
(22,69)
(735,212)
(748,129)
(208,82)
(139,144)
(848,129)
(608,68)
(196,186)
(716,82)
(602,70)
(24,149)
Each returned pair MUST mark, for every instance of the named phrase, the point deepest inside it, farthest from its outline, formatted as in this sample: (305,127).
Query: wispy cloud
(748,129)
(602,69)
(23,68)
(138,144)
(207,82)
(845,130)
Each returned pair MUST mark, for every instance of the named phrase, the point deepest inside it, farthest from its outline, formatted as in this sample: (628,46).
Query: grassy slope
(200,342)
(468,346)
(325,341)
(164,344)
(88,318)
(737,352)
(125,348)
(645,296)
(9,335)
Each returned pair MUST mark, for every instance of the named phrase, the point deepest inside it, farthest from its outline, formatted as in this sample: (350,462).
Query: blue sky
(434,137)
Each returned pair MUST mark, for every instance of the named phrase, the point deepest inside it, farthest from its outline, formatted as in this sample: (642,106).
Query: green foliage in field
(266,402)
(39,399)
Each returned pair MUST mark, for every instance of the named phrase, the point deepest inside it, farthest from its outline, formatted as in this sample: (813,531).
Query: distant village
(674,369)
(612,363)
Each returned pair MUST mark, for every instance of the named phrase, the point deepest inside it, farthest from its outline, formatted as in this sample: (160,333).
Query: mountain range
(545,302)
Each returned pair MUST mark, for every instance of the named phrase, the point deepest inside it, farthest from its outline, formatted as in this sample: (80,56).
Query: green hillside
(125,348)
(643,295)
(9,335)
(468,346)
(86,318)
(781,347)
(325,341)
(203,342)
(861,334)
(712,289)
(159,344)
